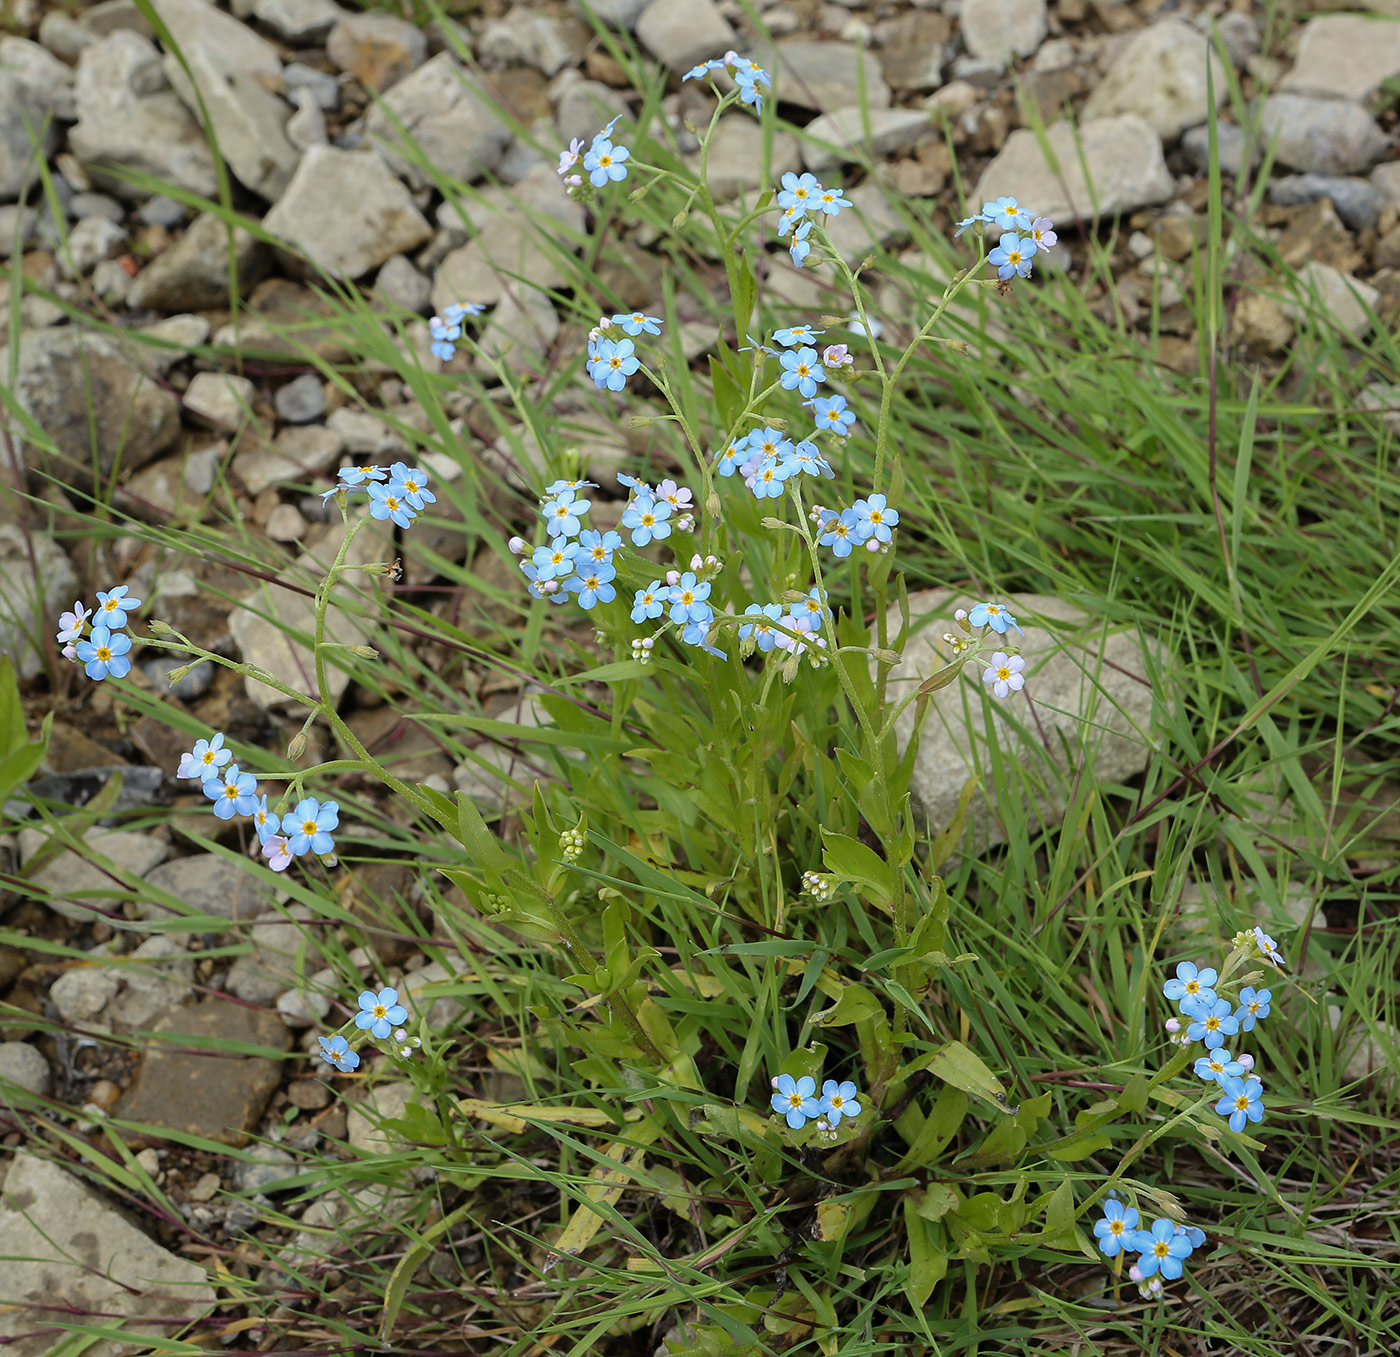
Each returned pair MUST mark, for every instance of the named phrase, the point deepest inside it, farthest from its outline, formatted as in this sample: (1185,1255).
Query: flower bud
(959,346)
(178,675)
(679,219)
(364,652)
(1135,1273)
(159,628)
(1246,1060)
(640,421)
(685,523)
(697,563)
(673,577)
(1173,1025)
(517,546)
(297,747)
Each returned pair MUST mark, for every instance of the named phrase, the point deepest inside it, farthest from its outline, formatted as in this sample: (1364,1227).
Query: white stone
(843,132)
(1124,159)
(997,30)
(82,993)
(24,1066)
(24,138)
(307,126)
(158,975)
(346,212)
(825,75)
(1344,299)
(1161,75)
(64,1240)
(384,1101)
(1328,136)
(197,25)
(527,38)
(68,876)
(684,32)
(865,227)
(1093,701)
(298,21)
(219,400)
(1345,56)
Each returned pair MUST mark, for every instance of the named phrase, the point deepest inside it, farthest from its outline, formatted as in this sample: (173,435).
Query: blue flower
(795,1099)
(308,827)
(838,1100)
(112,608)
(605,162)
(839,530)
(688,600)
(561,515)
(791,220)
(555,561)
(703,69)
(1212,1021)
(729,457)
(696,632)
(802,372)
(387,501)
(1012,256)
(354,475)
(1193,1236)
(1268,948)
(650,602)
(795,336)
(596,548)
(806,457)
(592,585)
(647,519)
(380,1013)
(1218,1065)
(749,93)
(103,653)
(336,1051)
(801,245)
(446,329)
(768,479)
(614,361)
(1190,983)
(558,487)
(205,759)
(965,224)
(875,518)
(748,72)
(1118,1228)
(232,792)
(1006,213)
(1254,1005)
(813,608)
(264,821)
(762,633)
(799,191)
(998,617)
(632,483)
(412,484)
(1243,1101)
(832,415)
(830,202)
(1161,1249)
(637,322)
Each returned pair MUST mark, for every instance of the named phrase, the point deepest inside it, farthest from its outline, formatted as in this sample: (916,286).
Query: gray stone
(172,340)
(402,285)
(1347,301)
(298,76)
(37,588)
(1229,148)
(309,1002)
(64,36)
(867,226)
(96,205)
(207,884)
(1093,710)
(163,211)
(307,126)
(1161,75)
(584,107)
(302,400)
(253,982)
(301,22)
(88,396)
(364,434)
(1374,1053)
(128,118)
(378,49)
(620,14)
(26,135)
(111,16)
(265,1166)
(41,72)
(156,977)
(527,38)
(446,113)
(188,689)
(24,1066)
(684,32)
(198,26)
(521,330)
(1124,160)
(64,1240)
(285,524)
(81,995)
(736,156)
(1345,56)
(69,877)
(346,212)
(1358,201)
(1328,136)
(419,992)
(19,224)
(495,263)
(220,400)
(825,75)
(90,242)
(297,454)
(1387,178)
(891,130)
(1239,31)
(362,1126)
(997,30)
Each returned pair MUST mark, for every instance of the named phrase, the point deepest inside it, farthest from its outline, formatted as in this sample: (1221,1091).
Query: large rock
(65,1243)
(23,1066)
(825,75)
(839,137)
(444,111)
(1126,170)
(347,212)
(364,1128)
(207,884)
(76,885)
(1329,136)
(216,1096)
(1346,301)
(377,49)
(1345,56)
(89,397)
(198,26)
(684,32)
(1092,699)
(27,130)
(38,587)
(736,156)
(248,120)
(997,30)
(1161,75)
(192,274)
(129,118)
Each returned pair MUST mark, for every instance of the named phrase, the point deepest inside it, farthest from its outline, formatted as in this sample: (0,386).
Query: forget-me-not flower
(801,245)
(875,518)
(380,1013)
(1268,948)
(205,759)
(113,606)
(650,602)
(647,519)
(1254,1005)
(1004,674)
(1041,233)
(70,625)
(412,484)
(555,560)
(638,322)
(798,191)
(795,336)
(1218,1065)
(1190,982)
(596,548)
(830,202)
(605,162)
(1117,1229)
(232,792)
(265,823)
(308,827)
(1242,1101)
(386,501)
(832,416)
(688,600)
(614,361)
(801,372)
(1012,257)
(336,1051)
(104,653)
(994,615)
(274,849)
(838,1100)
(795,1099)
(1211,1021)
(593,585)
(561,515)
(1161,1249)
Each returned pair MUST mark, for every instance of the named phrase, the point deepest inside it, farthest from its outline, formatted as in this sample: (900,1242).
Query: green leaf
(947,841)
(852,861)
(1076,1147)
(928,1261)
(13,732)
(409,1263)
(1134,1095)
(18,766)
(955,1064)
(856,1004)
(729,397)
(484,847)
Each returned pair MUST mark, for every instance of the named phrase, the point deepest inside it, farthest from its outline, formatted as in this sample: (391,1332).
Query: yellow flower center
(1212,1024)
(309,827)
(837,1101)
(1161,1249)
(605,160)
(876,516)
(687,598)
(1242,1103)
(230,790)
(103,654)
(208,756)
(615,362)
(1003,673)
(803,369)
(380,1010)
(1193,987)
(392,501)
(795,1099)
(110,605)
(411,487)
(1115,1227)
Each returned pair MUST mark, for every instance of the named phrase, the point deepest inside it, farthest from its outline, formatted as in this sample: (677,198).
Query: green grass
(1248,528)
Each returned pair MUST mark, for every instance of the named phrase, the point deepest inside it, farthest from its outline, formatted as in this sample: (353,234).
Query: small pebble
(205,1188)
(302,400)
(285,524)
(311,1095)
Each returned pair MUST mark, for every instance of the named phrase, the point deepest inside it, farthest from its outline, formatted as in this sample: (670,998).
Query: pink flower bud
(1173,1025)
(517,546)
(1246,1060)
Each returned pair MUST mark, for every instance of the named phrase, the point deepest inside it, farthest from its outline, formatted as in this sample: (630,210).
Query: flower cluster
(399,494)
(792,630)
(305,828)
(1023,236)
(805,200)
(605,161)
(380,1014)
(94,637)
(1162,1250)
(612,357)
(446,329)
(796,1100)
(748,75)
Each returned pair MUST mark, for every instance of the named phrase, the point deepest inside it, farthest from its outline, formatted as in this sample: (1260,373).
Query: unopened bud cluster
(571,843)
